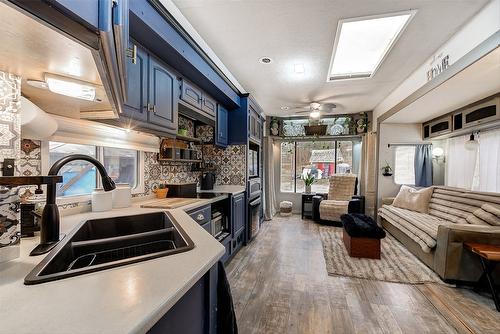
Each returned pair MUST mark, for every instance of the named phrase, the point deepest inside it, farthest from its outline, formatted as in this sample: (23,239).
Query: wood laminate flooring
(280,285)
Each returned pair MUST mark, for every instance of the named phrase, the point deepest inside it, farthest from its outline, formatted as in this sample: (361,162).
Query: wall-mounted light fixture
(472,144)
(438,154)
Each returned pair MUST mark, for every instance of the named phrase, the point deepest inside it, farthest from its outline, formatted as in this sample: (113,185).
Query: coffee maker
(207,181)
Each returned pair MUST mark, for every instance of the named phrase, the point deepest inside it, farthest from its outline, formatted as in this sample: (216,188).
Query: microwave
(253,163)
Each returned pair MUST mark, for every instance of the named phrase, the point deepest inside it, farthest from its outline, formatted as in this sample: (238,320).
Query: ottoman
(361,236)
(286,208)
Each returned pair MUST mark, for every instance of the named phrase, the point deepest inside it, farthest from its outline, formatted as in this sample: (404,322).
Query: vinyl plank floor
(280,285)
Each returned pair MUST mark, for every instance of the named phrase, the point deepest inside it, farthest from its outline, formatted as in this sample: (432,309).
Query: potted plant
(182,130)
(308,181)
(386,169)
(161,191)
(274,127)
(362,123)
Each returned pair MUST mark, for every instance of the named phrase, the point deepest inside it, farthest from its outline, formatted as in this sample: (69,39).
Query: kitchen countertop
(226,189)
(126,299)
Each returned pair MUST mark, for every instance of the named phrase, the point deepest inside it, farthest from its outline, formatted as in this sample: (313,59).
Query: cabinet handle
(150,107)
(132,53)
(154,108)
(200,217)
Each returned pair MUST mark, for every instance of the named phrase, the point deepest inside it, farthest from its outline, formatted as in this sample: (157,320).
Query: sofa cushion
(413,199)
(358,225)
(420,227)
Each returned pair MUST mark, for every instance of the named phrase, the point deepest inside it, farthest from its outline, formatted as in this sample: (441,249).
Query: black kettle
(207,181)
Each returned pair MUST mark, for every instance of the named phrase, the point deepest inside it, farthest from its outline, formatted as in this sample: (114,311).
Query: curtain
(423,165)
(269,186)
(368,172)
(460,164)
(489,161)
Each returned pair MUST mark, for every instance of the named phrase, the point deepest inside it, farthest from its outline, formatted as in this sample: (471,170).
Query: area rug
(396,263)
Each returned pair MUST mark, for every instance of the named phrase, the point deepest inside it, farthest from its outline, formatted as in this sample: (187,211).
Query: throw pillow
(487,217)
(493,209)
(413,199)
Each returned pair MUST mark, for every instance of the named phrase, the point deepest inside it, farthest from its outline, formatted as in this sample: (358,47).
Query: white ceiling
(302,31)
(474,83)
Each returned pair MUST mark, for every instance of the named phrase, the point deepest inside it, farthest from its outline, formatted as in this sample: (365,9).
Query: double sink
(100,244)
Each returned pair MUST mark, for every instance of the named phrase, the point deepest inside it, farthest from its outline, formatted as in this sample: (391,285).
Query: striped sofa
(455,216)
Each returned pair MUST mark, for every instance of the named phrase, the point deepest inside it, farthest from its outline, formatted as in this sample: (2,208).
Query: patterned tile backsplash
(229,163)
(10,144)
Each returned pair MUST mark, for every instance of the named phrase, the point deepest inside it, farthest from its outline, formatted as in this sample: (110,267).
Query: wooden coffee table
(489,256)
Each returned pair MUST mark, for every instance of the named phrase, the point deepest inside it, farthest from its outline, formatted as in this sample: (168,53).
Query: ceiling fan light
(314,114)
(315,105)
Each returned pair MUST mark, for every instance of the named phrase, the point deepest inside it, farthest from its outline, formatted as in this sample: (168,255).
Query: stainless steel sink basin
(100,244)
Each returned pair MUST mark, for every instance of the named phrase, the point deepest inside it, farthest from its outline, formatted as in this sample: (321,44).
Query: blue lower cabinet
(221,129)
(195,312)
(238,214)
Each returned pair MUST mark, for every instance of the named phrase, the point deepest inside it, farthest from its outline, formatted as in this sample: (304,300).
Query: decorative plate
(336,130)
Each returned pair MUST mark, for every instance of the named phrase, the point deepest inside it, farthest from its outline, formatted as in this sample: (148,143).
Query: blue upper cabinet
(162,96)
(254,125)
(246,123)
(137,86)
(85,11)
(221,128)
(153,27)
(191,94)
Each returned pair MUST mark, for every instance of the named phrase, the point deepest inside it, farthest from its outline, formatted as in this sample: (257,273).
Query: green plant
(308,179)
(387,169)
(162,185)
(182,127)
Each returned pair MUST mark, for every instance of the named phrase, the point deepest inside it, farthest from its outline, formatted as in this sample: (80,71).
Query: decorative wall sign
(438,65)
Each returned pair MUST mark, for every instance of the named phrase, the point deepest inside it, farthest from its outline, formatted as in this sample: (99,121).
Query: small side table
(307,207)
(489,256)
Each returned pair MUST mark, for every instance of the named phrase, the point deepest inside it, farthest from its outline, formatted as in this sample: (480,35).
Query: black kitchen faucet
(50,223)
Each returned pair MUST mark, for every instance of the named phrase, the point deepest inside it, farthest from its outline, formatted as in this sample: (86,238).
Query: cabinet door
(260,129)
(209,105)
(137,87)
(238,213)
(162,96)
(191,94)
(221,137)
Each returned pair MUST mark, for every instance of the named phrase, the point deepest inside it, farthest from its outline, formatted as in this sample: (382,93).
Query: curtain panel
(423,165)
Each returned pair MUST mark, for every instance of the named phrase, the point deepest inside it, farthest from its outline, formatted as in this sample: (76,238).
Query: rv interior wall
(439,163)
(392,134)
(477,30)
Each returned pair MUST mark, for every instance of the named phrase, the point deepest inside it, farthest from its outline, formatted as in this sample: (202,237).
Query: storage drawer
(202,215)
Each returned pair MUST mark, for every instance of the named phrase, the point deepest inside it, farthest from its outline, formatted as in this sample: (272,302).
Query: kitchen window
(80,177)
(319,158)
(404,165)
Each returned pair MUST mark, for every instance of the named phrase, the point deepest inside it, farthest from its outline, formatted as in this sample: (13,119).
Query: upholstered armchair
(341,199)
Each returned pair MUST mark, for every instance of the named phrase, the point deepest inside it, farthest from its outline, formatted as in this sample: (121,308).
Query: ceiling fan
(315,109)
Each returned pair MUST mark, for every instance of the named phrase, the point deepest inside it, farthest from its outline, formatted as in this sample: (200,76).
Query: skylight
(361,44)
